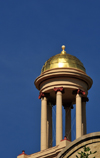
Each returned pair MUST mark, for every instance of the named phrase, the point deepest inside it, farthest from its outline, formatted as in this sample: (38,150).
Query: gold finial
(63,49)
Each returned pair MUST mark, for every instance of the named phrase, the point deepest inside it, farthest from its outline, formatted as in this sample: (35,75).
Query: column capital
(41,95)
(79,91)
(58,89)
(85,99)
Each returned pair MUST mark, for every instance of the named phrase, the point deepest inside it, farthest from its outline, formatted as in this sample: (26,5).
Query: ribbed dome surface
(63,60)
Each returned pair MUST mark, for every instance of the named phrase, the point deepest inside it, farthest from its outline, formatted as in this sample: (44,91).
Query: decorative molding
(65,138)
(58,89)
(41,95)
(23,153)
(79,91)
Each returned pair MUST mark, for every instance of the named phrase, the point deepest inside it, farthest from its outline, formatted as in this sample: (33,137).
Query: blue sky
(31,31)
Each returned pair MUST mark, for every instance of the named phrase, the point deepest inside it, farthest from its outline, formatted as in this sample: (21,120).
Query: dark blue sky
(31,31)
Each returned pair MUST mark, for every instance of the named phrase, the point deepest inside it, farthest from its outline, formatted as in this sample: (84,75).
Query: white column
(49,125)
(43,123)
(78,116)
(83,118)
(68,122)
(58,117)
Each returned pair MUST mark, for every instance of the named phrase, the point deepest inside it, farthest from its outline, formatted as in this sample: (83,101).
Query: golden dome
(63,60)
